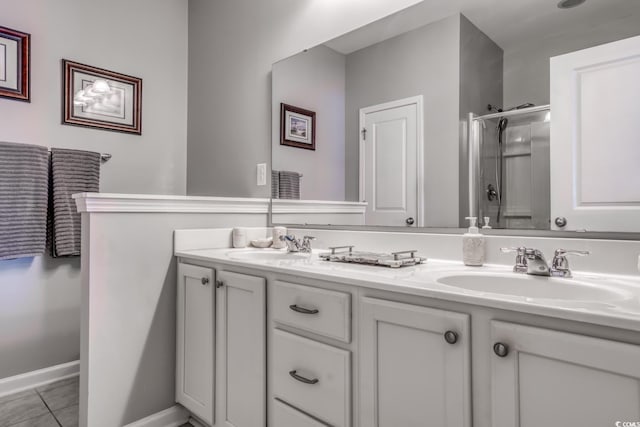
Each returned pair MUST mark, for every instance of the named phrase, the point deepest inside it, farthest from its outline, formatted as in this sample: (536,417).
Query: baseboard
(172,417)
(37,378)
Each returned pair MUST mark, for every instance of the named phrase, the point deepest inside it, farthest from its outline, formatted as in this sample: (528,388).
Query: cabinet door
(242,350)
(410,375)
(558,379)
(195,340)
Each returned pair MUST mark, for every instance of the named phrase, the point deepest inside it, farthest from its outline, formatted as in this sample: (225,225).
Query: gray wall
(424,62)
(481,64)
(313,80)
(526,71)
(40,297)
(232,45)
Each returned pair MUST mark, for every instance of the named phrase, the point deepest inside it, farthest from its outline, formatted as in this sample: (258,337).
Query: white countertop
(623,311)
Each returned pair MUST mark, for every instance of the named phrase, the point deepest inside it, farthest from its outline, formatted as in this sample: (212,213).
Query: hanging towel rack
(105,157)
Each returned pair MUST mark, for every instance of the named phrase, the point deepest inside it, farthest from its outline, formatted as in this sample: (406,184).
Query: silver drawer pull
(302,379)
(303,310)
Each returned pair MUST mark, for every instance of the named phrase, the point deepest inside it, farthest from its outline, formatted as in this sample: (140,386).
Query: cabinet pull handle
(501,350)
(219,283)
(303,310)
(302,379)
(204,280)
(451,337)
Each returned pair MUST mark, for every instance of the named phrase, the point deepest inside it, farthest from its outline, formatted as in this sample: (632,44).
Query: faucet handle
(563,252)
(521,259)
(306,244)
(560,263)
(519,250)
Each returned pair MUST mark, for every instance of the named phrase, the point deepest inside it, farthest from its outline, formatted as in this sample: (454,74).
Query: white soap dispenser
(473,244)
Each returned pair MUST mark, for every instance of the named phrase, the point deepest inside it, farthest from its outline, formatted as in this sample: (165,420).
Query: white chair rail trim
(282,206)
(108,202)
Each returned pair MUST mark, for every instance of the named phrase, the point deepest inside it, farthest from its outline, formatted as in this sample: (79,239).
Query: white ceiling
(512,24)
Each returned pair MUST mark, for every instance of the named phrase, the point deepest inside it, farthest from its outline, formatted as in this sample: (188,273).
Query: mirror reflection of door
(595,150)
(391,162)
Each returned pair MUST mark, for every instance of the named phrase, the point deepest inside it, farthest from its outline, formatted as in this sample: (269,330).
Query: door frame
(418,101)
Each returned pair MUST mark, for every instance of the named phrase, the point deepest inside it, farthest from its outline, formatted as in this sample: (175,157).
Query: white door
(595,138)
(410,375)
(195,340)
(557,379)
(391,163)
(241,350)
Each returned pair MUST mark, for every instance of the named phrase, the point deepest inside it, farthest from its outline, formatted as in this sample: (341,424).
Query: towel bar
(105,157)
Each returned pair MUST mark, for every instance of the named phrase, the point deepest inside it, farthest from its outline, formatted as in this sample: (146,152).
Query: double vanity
(297,341)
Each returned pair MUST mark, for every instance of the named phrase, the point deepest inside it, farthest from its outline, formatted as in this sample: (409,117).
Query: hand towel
(72,171)
(289,185)
(23,200)
(275,184)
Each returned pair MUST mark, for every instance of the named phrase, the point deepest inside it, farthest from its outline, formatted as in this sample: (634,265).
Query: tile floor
(52,405)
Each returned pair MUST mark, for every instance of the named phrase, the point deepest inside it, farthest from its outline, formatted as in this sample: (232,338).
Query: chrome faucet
(295,245)
(536,263)
(532,261)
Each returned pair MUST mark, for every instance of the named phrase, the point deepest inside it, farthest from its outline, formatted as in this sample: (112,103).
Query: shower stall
(510,167)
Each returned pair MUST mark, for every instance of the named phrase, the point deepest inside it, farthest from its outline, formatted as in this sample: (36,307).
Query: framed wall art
(15,63)
(101,99)
(297,127)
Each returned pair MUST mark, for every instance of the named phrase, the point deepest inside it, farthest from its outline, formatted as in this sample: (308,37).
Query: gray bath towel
(72,171)
(275,184)
(289,185)
(23,200)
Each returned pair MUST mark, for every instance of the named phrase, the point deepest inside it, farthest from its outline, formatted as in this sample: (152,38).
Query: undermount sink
(266,255)
(537,287)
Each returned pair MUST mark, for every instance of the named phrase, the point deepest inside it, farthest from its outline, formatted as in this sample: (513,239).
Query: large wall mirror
(521,112)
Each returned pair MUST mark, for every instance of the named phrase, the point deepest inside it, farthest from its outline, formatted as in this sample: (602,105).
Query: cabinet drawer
(312,376)
(320,311)
(287,416)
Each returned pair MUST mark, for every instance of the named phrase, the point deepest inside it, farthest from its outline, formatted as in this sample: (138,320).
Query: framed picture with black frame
(15,64)
(297,127)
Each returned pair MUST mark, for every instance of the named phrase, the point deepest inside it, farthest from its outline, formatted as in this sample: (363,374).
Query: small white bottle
(239,237)
(277,233)
(486,225)
(473,244)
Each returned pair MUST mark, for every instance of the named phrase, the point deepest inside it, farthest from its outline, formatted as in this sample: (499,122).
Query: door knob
(451,337)
(561,221)
(501,350)
(204,280)
(410,221)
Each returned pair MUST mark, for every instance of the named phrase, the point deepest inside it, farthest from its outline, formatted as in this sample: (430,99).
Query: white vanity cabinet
(311,380)
(414,366)
(344,355)
(221,346)
(195,349)
(542,377)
